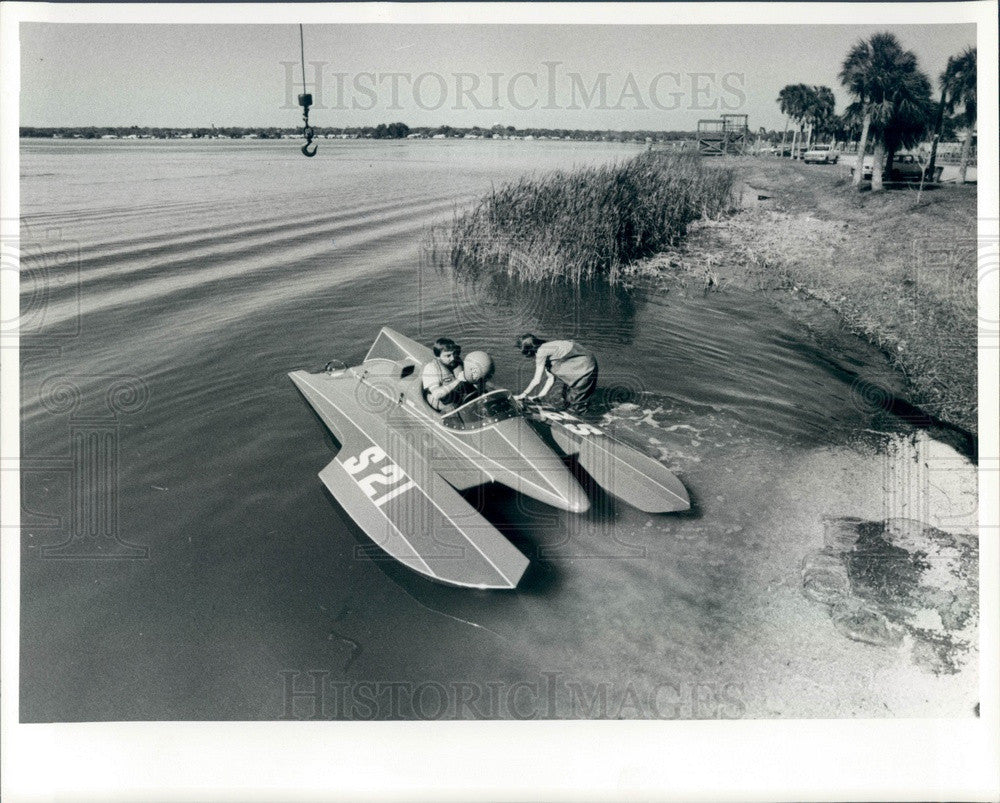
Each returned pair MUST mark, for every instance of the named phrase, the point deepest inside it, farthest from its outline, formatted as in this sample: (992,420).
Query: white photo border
(694,760)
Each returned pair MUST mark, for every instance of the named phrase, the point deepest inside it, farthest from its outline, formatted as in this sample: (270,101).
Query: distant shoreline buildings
(764,142)
(381,131)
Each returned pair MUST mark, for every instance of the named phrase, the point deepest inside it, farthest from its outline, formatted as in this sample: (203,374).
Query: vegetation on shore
(585,224)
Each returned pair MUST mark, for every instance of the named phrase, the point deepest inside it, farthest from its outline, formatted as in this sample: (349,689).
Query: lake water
(182,560)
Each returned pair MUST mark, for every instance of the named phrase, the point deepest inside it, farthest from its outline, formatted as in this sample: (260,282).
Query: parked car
(905,167)
(821,154)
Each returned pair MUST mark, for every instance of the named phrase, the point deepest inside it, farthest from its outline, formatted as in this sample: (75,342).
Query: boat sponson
(395,496)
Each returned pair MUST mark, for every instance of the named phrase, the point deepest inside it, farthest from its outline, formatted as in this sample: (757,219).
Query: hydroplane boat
(401,464)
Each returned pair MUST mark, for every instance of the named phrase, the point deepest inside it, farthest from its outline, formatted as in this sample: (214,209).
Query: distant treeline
(381,131)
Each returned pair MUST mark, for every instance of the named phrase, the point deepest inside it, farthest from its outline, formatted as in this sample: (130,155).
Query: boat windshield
(497,405)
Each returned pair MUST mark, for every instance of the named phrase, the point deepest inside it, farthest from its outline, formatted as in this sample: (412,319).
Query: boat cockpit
(475,412)
(490,408)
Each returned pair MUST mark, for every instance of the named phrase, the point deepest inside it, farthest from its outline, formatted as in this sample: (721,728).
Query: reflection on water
(502,303)
(201,273)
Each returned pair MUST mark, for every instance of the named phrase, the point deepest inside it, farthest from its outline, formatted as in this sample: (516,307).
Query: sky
(634,77)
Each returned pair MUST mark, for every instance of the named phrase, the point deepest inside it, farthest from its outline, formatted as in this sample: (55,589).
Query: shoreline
(899,273)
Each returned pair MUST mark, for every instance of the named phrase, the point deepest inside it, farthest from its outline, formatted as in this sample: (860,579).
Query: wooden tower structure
(729,135)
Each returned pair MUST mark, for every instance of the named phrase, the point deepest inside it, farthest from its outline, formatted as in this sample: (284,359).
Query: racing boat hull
(400,464)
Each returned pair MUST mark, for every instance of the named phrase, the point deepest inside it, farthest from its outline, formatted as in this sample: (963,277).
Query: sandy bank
(862,574)
(858,569)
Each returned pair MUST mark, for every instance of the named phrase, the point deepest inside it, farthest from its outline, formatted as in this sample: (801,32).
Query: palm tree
(913,110)
(819,110)
(785,103)
(963,93)
(891,92)
(958,88)
(794,101)
(842,128)
(804,101)
(945,80)
(853,119)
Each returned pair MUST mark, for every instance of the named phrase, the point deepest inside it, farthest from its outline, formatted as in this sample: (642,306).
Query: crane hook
(309,133)
(305,101)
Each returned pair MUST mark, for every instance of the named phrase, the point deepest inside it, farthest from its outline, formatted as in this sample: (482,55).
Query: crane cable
(305,101)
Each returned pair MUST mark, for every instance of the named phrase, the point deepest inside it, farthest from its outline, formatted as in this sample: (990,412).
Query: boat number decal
(389,477)
(582,428)
(570,422)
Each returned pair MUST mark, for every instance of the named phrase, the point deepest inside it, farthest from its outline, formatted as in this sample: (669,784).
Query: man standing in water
(443,377)
(565,360)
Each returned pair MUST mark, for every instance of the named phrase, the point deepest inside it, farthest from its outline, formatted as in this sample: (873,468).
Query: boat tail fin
(391,345)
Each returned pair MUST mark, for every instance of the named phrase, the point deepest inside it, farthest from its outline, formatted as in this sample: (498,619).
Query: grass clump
(585,224)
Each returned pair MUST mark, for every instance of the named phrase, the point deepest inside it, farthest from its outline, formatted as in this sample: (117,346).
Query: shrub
(584,224)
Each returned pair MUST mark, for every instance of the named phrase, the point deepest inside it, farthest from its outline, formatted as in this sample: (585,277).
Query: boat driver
(445,386)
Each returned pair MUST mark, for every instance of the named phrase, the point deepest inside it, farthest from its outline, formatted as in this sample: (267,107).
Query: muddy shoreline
(897,269)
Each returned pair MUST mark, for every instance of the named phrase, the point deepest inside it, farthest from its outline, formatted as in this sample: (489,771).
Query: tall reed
(585,224)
